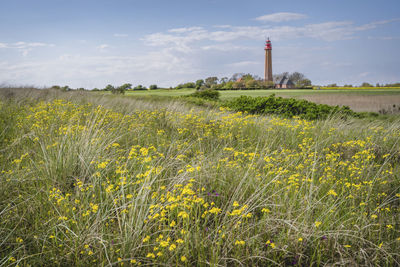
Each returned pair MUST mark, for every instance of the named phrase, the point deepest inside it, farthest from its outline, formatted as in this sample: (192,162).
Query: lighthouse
(268,61)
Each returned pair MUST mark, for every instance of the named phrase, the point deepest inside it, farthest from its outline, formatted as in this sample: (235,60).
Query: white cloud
(224,47)
(225,26)
(244,63)
(24,47)
(183,38)
(375,24)
(185,29)
(281,16)
(103,46)
(364,74)
(162,67)
(120,35)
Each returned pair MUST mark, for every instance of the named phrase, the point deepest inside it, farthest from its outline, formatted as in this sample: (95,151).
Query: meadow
(358,99)
(94,179)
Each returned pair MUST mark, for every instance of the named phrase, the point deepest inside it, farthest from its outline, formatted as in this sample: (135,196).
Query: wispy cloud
(25,47)
(385,38)
(375,24)
(244,63)
(281,16)
(120,35)
(225,26)
(160,67)
(103,47)
(185,29)
(224,47)
(364,74)
(326,31)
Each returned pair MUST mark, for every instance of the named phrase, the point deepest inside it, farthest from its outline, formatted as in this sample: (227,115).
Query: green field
(226,94)
(375,100)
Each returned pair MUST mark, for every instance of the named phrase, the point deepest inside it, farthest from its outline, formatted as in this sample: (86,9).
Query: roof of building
(285,81)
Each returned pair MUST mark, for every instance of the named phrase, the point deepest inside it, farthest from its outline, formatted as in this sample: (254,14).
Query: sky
(92,43)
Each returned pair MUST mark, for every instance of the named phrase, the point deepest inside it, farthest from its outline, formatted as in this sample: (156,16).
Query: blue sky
(92,43)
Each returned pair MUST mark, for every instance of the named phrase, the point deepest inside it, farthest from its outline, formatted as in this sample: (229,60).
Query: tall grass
(108,180)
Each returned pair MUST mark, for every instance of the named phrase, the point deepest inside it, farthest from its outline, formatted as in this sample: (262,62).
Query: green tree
(210,81)
(224,80)
(126,86)
(199,84)
(252,84)
(140,87)
(153,87)
(296,77)
(365,84)
(303,83)
(228,85)
(266,84)
(109,87)
(239,85)
(236,76)
(247,77)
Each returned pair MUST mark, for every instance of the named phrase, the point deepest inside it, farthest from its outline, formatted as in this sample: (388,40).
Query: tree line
(111,88)
(241,81)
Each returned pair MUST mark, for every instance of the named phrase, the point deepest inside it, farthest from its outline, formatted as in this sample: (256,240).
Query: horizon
(94,43)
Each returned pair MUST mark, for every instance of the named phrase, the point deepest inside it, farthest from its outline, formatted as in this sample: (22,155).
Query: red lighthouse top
(268,45)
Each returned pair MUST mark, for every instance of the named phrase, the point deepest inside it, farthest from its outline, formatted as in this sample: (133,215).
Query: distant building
(284,83)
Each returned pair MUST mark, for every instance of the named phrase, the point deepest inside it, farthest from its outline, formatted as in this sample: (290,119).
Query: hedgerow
(287,107)
(206,94)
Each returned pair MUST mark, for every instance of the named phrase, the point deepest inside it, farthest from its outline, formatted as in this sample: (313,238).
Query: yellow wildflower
(240,243)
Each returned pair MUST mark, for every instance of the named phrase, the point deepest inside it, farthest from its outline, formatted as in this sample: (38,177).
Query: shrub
(287,107)
(139,87)
(206,94)
(186,85)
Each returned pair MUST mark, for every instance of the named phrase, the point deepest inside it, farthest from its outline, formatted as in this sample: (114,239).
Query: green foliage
(118,90)
(287,107)
(305,83)
(199,84)
(109,87)
(392,85)
(61,88)
(153,87)
(365,84)
(139,87)
(206,94)
(210,81)
(126,86)
(186,85)
(228,85)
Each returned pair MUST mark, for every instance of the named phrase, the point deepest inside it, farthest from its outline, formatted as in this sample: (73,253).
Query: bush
(139,87)
(206,94)
(153,87)
(186,85)
(118,90)
(287,107)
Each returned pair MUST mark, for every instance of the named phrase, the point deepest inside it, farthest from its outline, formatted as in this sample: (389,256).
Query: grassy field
(374,100)
(90,179)
(226,94)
